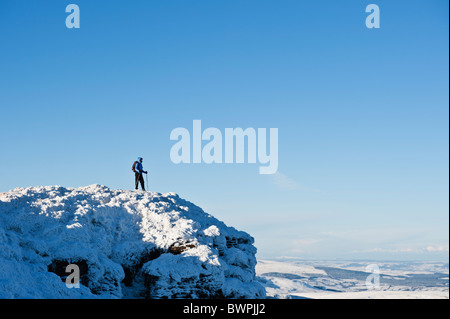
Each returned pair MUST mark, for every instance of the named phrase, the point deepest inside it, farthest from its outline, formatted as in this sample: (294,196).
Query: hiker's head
(140,159)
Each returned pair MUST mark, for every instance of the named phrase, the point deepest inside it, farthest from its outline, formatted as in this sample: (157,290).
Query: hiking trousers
(138,178)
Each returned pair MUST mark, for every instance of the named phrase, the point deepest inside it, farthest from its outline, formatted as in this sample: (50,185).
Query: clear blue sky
(362,114)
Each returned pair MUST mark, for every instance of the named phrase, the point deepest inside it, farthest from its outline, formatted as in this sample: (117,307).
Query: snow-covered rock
(126,244)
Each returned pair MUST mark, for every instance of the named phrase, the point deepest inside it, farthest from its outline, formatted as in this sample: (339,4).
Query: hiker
(138,170)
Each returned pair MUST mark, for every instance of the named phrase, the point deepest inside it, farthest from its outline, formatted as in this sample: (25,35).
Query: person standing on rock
(138,170)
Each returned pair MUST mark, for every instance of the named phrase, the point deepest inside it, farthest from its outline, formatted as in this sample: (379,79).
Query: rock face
(125,244)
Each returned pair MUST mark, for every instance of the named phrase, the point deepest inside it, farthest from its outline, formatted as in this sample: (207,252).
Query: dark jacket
(138,167)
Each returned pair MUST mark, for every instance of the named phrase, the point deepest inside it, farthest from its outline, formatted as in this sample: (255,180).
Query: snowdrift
(127,244)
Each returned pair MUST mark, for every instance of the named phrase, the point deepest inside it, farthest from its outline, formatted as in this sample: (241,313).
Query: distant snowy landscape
(347,279)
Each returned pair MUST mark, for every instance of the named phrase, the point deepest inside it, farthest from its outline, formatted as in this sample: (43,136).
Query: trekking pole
(146,178)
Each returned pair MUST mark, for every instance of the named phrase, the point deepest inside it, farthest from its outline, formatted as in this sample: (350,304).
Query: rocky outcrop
(126,244)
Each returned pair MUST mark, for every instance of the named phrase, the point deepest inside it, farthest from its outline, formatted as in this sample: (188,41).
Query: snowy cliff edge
(126,244)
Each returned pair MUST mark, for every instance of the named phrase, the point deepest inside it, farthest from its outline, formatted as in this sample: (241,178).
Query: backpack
(133,167)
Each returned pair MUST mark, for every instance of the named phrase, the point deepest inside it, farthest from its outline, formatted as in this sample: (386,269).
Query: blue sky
(362,114)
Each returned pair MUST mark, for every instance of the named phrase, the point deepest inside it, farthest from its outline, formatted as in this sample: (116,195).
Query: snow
(135,244)
(128,244)
(286,279)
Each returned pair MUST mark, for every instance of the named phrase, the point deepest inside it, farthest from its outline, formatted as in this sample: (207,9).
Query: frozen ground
(347,279)
(133,244)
